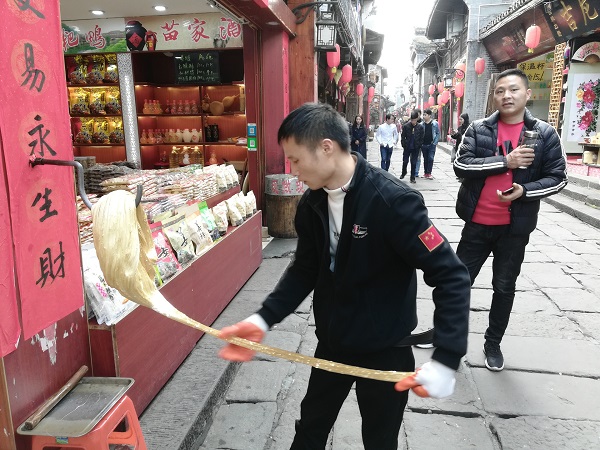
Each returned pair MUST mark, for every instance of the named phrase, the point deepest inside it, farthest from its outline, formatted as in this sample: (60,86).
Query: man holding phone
(504,177)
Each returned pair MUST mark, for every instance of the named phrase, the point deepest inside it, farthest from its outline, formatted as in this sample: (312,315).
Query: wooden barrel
(283,192)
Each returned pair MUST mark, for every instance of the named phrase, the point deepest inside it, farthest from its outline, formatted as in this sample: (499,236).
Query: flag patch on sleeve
(431,238)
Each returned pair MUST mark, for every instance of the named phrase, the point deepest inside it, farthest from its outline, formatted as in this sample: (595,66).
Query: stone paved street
(546,398)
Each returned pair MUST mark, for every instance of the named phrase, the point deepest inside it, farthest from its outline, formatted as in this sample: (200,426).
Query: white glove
(437,379)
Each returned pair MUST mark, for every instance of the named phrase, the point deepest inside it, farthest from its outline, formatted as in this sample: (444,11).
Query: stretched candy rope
(127,256)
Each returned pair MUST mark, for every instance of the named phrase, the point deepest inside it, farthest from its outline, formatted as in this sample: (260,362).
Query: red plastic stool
(104,433)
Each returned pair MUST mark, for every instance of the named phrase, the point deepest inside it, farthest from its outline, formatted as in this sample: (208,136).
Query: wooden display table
(148,347)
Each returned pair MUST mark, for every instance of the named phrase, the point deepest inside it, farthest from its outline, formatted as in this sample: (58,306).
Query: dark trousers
(386,156)
(411,154)
(381,406)
(476,244)
(428,156)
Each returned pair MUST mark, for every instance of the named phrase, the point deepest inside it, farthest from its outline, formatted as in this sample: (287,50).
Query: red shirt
(490,210)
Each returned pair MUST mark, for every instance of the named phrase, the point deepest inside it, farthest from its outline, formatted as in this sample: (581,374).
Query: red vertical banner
(34,123)
(9,317)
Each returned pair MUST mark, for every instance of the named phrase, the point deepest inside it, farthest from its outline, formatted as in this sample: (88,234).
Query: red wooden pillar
(275,96)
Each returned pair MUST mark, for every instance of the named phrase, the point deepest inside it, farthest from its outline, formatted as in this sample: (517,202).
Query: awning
(427,62)
(372,47)
(437,25)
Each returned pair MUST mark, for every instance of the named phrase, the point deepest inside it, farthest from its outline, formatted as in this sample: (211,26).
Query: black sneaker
(403,175)
(412,180)
(494,360)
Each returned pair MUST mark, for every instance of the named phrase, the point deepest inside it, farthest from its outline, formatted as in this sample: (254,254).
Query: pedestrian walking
(358,139)
(364,302)
(418,163)
(431,137)
(387,136)
(411,141)
(499,198)
(457,135)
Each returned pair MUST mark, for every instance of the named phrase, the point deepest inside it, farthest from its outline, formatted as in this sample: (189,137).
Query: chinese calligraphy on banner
(9,318)
(34,123)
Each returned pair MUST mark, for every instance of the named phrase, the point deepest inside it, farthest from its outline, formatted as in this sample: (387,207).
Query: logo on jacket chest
(359,232)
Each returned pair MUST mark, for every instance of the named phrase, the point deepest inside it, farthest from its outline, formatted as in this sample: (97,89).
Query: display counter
(149,347)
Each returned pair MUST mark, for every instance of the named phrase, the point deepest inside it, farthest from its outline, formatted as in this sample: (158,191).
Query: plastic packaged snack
(200,235)
(167,262)
(209,221)
(179,235)
(235,218)
(220,213)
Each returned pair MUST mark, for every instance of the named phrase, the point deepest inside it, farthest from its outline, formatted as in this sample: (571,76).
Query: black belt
(426,337)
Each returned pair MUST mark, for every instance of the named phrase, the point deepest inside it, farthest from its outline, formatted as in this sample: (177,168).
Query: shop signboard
(197,68)
(34,123)
(163,33)
(573,18)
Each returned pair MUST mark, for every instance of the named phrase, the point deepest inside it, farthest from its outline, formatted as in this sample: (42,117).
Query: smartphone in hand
(509,191)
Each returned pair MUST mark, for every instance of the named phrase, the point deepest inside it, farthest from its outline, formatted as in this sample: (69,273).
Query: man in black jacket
(411,141)
(499,199)
(361,236)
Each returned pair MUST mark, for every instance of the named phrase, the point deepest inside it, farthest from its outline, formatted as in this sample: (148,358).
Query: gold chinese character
(585,9)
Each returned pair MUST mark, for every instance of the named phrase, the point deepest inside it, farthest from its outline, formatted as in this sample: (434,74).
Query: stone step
(585,194)
(576,208)
(584,181)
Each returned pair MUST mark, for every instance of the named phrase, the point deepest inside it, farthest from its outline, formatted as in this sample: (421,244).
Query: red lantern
(431,89)
(431,100)
(532,37)
(461,68)
(371,94)
(439,99)
(346,73)
(330,73)
(440,86)
(459,89)
(445,97)
(333,58)
(360,89)
(479,66)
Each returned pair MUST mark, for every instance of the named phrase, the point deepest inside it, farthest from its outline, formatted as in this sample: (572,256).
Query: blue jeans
(386,155)
(428,155)
(476,243)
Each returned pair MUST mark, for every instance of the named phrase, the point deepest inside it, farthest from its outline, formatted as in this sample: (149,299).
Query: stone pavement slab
(512,393)
(258,381)
(281,339)
(241,426)
(538,324)
(545,433)
(270,273)
(525,301)
(439,431)
(589,323)
(541,354)
(548,275)
(576,300)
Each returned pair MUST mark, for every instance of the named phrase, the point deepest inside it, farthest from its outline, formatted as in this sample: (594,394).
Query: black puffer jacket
(408,130)
(478,158)
(369,302)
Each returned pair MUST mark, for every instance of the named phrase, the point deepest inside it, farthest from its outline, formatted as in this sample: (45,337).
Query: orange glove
(245,330)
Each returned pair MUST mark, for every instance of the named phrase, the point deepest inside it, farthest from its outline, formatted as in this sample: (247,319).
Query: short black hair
(414,115)
(427,111)
(311,123)
(388,116)
(516,72)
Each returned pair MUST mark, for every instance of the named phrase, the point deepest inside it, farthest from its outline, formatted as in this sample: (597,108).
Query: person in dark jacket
(411,140)
(463,124)
(358,137)
(499,198)
(361,236)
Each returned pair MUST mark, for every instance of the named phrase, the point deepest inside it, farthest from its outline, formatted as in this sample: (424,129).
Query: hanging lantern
(445,97)
(479,66)
(431,89)
(461,68)
(431,100)
(330,73)
(333,58)
(347,73)
(459,89)
(360,89)
(371,94)
(337,76)
(440,87)
(439,99)
(532,37)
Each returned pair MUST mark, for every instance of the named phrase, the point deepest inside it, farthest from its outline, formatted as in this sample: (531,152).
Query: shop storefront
(154,99)
(563,92)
